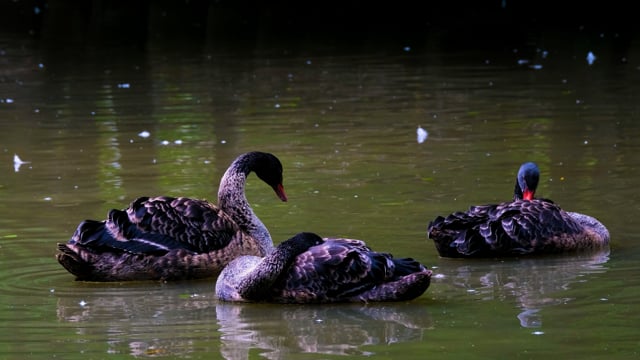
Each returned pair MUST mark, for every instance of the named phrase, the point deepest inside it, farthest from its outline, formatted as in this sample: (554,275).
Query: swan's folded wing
(118,233)
(193,224)
(335,270)
(523,227)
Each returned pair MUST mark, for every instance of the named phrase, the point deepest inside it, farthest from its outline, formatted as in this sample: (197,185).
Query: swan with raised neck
(172,238)
(232,198)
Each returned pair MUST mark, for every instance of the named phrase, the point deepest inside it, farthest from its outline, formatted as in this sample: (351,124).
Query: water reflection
(179,319)
(344,329)
(141,319)
(532,283)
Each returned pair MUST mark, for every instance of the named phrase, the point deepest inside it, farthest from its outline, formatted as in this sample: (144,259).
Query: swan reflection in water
(532,283)
(340,329)
(185,319)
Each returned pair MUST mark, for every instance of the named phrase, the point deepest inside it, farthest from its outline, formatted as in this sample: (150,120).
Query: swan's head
(526,182)
(301,242)
(269,169)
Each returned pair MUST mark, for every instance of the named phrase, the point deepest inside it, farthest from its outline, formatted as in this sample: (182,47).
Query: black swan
(523,226)
(167,238)
(309,269)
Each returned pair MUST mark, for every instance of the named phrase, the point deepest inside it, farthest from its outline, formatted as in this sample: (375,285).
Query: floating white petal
(422,135)
(17,162)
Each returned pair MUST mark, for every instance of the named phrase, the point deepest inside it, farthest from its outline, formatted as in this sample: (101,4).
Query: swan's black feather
(519,227)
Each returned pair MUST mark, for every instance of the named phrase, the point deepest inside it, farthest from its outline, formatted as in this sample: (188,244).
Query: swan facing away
(172,238)
(309,269)
(523,226)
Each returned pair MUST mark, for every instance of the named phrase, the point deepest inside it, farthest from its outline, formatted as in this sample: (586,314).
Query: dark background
(247,22)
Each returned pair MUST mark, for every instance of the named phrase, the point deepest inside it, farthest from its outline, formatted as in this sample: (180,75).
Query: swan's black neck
(233,201)
(258,283)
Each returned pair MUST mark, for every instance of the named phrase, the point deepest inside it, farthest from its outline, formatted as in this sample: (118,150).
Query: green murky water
(344,126)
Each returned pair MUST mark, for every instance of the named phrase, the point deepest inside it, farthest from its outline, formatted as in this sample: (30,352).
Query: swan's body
(171,238)
(308,269)
(520,227)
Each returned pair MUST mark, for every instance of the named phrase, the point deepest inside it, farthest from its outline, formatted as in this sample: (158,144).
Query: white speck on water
(308,62)
(591,58)
(83,303)
(523,61)
(223,141)
(422,134)
(47,198)
(52,290)
(17,162)
(277,106)
(439,276)
(144,134)
(604,299)
(124,85)
(164,142)
(41,66)
(536,66)
(8,100)
(318,320)
(178,142)
(407,48)
(207,162)
(538,332)
(586,142)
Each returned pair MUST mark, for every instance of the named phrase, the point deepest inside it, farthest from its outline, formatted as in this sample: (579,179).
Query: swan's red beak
(527,195)
(279,189)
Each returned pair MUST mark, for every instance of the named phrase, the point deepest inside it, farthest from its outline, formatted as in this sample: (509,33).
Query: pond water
(100,127)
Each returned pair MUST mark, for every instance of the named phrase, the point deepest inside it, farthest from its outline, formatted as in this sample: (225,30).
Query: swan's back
(515,228)
(156,238)
(192,223)
(340,270)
